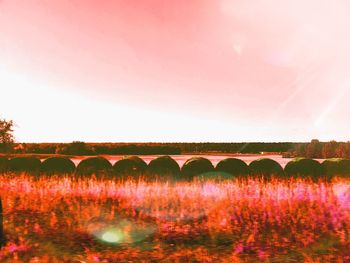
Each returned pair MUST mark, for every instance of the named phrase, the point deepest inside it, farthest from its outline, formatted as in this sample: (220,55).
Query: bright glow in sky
(229,70)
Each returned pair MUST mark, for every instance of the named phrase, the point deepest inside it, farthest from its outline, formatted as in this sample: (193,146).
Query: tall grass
(48,219)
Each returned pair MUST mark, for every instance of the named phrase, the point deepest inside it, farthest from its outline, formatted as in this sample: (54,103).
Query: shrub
(3,164)
(24,164)
(336,166)
(196,166)
(58,165)
(94,165)
(304,167)
(265,167)
(233,166)
(345,166)
(217,176)
(163,165)
(130,166)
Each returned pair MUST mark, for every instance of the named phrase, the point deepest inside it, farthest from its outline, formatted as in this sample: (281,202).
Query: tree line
(317,149)
(313,149)
(83,148)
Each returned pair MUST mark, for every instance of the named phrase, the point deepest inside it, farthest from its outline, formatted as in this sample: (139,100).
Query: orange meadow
(62,219)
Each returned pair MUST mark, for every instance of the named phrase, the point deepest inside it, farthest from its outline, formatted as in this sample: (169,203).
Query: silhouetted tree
(329,149)
(6,136)
(75,148)
(314,149)
(343,150)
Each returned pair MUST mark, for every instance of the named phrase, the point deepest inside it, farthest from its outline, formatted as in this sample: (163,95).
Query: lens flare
(112,236)
(120,231)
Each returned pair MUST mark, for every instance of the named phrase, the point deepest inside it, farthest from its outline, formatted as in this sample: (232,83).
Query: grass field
(60,219)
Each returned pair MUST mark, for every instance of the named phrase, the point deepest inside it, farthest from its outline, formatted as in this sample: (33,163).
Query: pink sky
(229,70)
